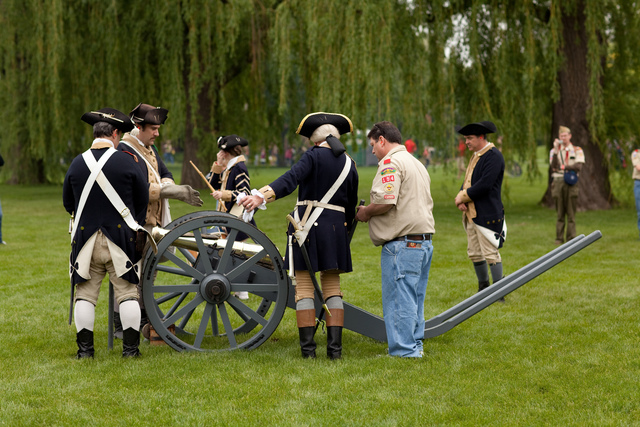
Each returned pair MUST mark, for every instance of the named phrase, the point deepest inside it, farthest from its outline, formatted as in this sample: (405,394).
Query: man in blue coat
(106,194)
(327,183)
(480,201)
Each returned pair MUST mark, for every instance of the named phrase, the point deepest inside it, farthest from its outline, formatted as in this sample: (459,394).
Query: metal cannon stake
(189,290)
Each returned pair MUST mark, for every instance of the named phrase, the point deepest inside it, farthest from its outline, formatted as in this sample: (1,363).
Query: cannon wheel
(189,295)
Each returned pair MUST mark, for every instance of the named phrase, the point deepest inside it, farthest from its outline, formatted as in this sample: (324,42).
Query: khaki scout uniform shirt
(403,181)
(566,156)
(635,161)
(154,209)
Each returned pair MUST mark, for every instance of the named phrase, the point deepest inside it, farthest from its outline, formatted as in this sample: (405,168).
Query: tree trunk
(192,140)
(571,110)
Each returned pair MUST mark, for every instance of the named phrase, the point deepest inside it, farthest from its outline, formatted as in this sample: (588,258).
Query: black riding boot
(334,342)
(130,343)
(306,320)
(84,339)
(483,285)
(307,343)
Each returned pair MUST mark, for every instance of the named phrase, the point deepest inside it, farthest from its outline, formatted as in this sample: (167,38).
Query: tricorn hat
(314,120)
(481,128)
(230,141)
(148,114)
(112,116)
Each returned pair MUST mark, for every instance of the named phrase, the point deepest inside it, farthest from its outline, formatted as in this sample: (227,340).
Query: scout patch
(414,245)
(386,162)
(387,171)
(388,188)
(389,178)
(389,196)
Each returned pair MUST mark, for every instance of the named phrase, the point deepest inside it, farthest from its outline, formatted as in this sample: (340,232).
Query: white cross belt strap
(114,197)
(95,170)
(318,207)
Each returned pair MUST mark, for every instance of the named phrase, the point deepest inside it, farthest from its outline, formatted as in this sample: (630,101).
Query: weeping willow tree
(256,67)
(60,58)
(531,66)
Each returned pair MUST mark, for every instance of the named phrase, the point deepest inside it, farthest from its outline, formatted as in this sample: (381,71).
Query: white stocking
(84,315)
(130,314)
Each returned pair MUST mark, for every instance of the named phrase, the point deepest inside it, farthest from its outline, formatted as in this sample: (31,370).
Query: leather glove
(181,192)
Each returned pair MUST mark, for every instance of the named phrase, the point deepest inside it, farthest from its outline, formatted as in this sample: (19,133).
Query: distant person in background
(566,163)
(462,148)
(411,147)
(426,155)
(168,151)
(635,160)
(2,242)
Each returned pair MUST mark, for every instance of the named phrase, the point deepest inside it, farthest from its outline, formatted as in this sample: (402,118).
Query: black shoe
(307,344)
(84,339)
(117,325)
(130,343)
(334,342)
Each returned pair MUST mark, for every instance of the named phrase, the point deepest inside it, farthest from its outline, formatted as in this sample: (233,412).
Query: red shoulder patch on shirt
(133,155)
(386,162)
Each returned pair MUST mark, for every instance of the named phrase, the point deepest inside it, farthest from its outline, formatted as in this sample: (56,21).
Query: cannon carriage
(189,285)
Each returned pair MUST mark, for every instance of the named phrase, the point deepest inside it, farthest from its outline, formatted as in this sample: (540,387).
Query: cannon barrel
(217,240)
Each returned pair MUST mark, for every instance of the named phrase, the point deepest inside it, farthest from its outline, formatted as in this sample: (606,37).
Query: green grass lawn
(563,350)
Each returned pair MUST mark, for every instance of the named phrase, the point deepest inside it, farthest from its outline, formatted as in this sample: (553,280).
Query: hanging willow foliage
(256,67)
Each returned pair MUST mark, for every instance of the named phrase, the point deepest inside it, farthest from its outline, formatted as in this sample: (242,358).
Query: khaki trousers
(566,198)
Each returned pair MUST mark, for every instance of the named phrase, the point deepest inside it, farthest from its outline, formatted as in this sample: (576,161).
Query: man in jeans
(400,220)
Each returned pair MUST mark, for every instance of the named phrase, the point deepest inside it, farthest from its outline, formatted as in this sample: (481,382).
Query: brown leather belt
(426,236)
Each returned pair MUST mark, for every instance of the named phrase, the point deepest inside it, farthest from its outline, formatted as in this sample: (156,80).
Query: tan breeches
(478,247)
(101,264)
(330,283)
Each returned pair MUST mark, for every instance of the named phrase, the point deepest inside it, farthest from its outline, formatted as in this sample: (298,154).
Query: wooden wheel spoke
(227,326)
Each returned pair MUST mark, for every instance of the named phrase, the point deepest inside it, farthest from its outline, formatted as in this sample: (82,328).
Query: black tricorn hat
(314,120)
(112,116)
(148,114)
(481,128)
(230,141)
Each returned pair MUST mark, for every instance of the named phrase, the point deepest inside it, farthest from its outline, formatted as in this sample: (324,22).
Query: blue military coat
(313,175)
(485,190)
(126,177)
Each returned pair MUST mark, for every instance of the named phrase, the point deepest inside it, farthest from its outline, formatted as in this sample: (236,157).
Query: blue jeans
(636,192)
(405,272)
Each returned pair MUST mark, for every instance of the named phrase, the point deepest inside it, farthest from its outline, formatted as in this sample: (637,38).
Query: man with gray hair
(327,183)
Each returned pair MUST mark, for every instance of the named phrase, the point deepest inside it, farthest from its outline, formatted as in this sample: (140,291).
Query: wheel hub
(215,288)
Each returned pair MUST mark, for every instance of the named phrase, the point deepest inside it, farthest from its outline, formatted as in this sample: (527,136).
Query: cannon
(189,285)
